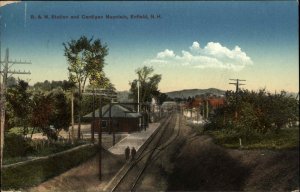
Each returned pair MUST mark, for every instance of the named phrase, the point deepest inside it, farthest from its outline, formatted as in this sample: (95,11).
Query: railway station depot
(124,120)
(120,117)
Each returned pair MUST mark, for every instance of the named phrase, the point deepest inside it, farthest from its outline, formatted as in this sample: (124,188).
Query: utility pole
(138,86)
(93,123)
(237,84)
(5,73)
(101,95)
(100,139)
(110,123)
(72,116)
(207,109)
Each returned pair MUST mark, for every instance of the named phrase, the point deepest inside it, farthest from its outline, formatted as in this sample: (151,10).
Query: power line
(7,64)
(237,84)
(102,93)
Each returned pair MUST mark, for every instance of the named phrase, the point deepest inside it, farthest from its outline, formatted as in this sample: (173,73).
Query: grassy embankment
(282,140)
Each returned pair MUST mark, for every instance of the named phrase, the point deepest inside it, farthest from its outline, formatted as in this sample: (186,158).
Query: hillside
(185,93)
(193,92)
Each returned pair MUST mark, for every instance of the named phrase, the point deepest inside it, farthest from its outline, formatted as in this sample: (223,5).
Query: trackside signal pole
(101,95)
(5,74)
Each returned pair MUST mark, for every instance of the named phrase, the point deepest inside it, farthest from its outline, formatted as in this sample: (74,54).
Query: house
(216,102)
(123,119)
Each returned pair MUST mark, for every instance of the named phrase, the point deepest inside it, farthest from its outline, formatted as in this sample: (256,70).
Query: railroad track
(129,176)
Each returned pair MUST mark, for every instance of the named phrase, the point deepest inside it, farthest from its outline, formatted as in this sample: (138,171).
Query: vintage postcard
(149,95)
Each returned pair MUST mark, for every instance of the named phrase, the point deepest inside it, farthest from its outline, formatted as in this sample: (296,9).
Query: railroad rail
(129,176)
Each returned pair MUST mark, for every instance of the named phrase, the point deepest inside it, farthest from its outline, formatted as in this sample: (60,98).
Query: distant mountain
(193,92)
(123,95)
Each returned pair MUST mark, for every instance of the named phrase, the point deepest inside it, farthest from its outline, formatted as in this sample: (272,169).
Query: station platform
(136,140)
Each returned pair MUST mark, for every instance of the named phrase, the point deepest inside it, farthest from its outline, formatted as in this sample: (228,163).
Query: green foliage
(283,139)
(162,97)
(43,109)
(61,116)
(16,146)
(255,112)
(38,108)
(86,61)
(52,108)
(148,85)
(34,172)
(48,86)
(19,148)
(19,105)
(11,81)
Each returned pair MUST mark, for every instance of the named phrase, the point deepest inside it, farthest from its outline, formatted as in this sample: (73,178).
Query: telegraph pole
(93,123)
(237,84)
(5,73)
(101,95)
(100,139)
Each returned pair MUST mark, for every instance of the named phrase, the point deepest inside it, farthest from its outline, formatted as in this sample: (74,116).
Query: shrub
(16,145)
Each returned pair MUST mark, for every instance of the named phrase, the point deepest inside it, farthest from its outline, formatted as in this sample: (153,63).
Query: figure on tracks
(127,153)
(133,153)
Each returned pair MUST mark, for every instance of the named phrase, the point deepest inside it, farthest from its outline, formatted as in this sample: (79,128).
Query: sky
(193,45)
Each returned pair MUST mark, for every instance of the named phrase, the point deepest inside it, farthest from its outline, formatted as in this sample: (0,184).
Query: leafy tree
(248,112)
(86,61)
(41,113)
(19,105)
(43,86)
(11,81)
(48,86)
(162,97)
(60,117)
(148,85)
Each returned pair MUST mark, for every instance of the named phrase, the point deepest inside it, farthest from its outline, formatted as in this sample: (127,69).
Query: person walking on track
(127,153)
(133,152)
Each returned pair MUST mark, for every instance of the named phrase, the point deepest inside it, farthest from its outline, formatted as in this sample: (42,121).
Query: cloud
(3,3)
(165,54)
(195,46)
(213,55)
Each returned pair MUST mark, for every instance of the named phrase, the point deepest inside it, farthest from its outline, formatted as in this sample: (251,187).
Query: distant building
(216,102)
(213,102)
(123,119)
(168,106)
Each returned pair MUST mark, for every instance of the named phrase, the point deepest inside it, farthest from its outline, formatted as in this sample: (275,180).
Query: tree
(148,85)
(44,86)
(162,97)
(19,105)
(11,81)
(41,113)
(61,116)
(256,111)
(86,61)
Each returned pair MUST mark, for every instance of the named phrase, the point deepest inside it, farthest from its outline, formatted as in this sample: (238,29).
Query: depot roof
(117,110)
